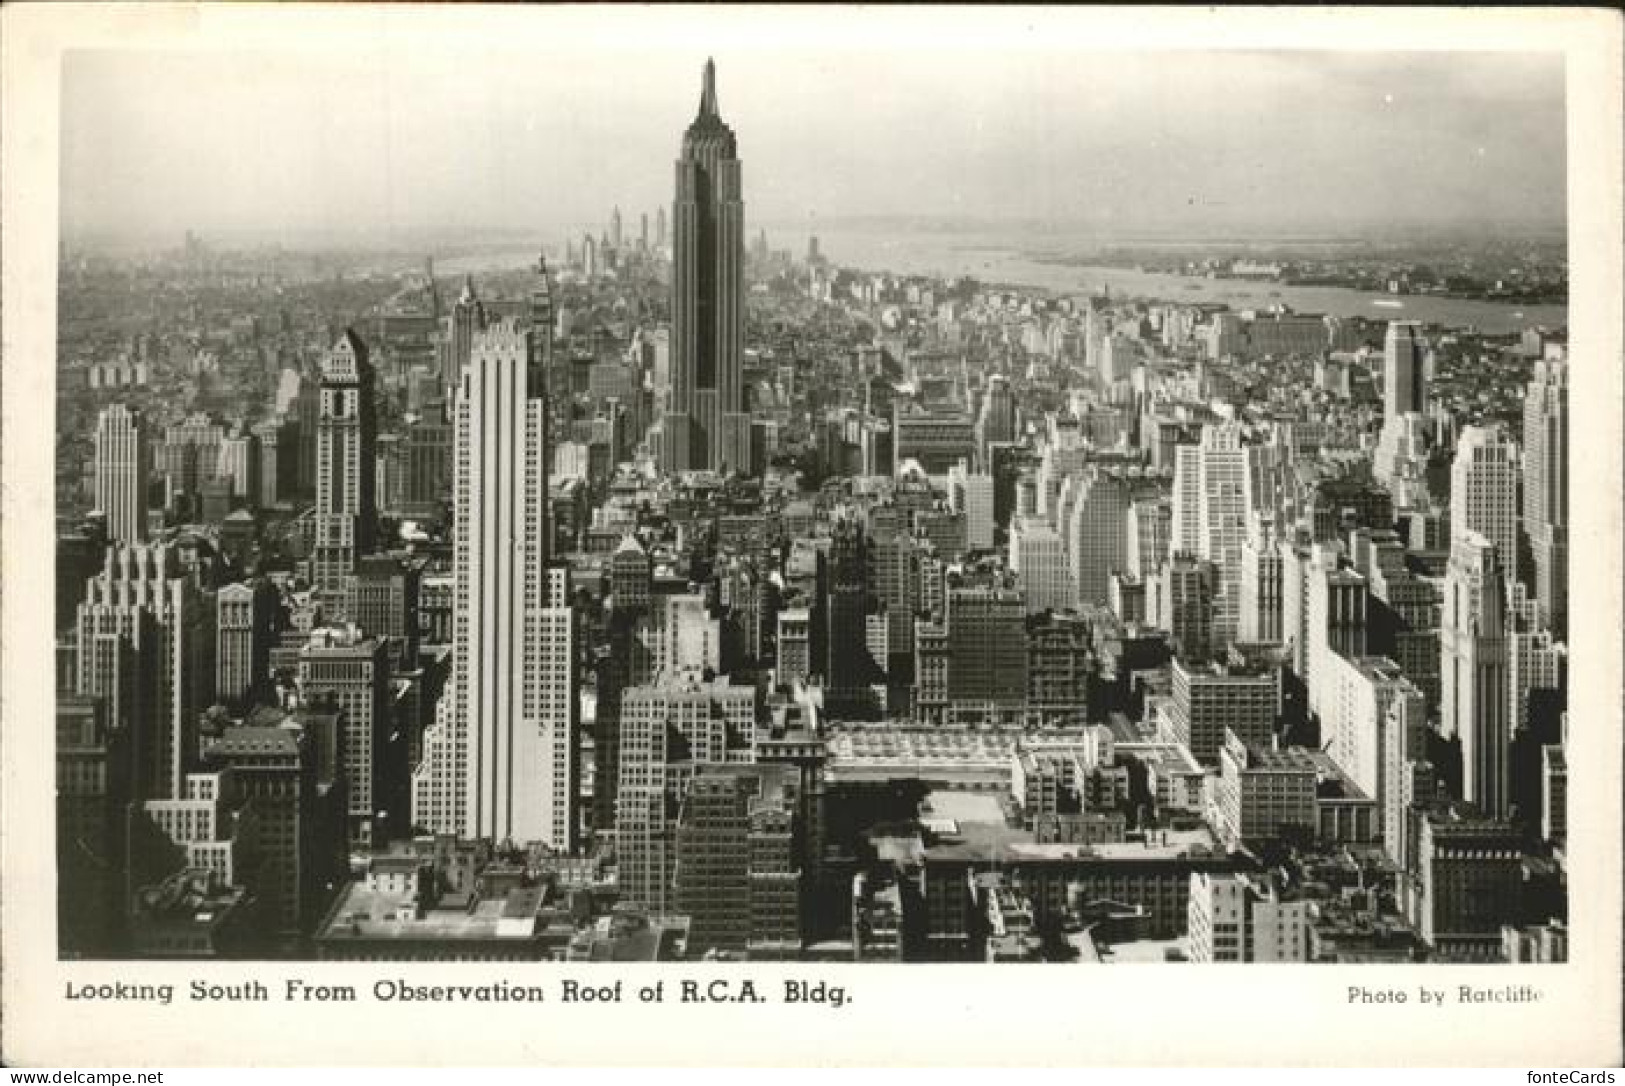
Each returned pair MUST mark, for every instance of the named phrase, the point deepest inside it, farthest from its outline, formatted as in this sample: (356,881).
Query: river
(988,261)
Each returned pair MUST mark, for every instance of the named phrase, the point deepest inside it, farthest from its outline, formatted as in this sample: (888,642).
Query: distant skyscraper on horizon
(1404,369)
(464,323)
(346,474)
(706,427)
(123,466)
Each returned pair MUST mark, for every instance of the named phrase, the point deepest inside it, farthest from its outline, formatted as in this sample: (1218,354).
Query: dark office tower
(987,645)
(615,229)
(538,388)
(341,669)
(297,864)
(279,459)
(848,667)
(245,627)
(346,472)
(306,410)
(1546,487)
(383,601)
(643,232)
(997,422)
(429,443)
(707,427)
(660,228)
(434,291)
(92,789)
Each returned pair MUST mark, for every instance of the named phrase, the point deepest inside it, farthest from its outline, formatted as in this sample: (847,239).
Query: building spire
(708,92)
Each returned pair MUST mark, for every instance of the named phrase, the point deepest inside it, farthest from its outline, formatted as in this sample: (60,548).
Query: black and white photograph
(571,502)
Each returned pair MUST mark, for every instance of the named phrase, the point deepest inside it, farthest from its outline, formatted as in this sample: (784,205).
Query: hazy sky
(398,140)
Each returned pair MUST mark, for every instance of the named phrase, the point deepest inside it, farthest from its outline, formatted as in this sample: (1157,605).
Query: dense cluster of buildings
(691,599)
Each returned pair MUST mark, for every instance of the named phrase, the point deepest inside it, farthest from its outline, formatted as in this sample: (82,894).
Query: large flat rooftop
(978,842)
(363,913)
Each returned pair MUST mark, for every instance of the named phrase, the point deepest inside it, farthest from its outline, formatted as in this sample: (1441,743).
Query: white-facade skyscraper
(1484,492)
(1213,495)
(123,466)
(970,493)
(1546,488)
(1038,558)
(499,761)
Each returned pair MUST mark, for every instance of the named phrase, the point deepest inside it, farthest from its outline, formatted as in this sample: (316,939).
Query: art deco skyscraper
(1404,369)
(123,464)
(1404,398)
(1546,487)
(1214,493)
(1484,491)
(706,426)
(346,473)
(1473,670)
(499,761)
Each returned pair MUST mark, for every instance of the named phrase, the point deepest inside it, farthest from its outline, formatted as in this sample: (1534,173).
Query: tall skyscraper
(146,642)
(1474,686)
(1038,557)
(346,471)
(1213,495)
(245,625)
(1404,368)
(1095,508)
(615,229)
(1546,488)
(997,420)
(1400,448)
(123,465)
(341,669)
(1484,492)
(987,645)
(499,761)
(660,228)
(707,427)
(1259,619)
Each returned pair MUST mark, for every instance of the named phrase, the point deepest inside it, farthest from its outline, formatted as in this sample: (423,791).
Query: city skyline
(714,613)
(1109,142)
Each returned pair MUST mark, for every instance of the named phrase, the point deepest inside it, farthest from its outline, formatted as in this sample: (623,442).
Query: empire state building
(706,425)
